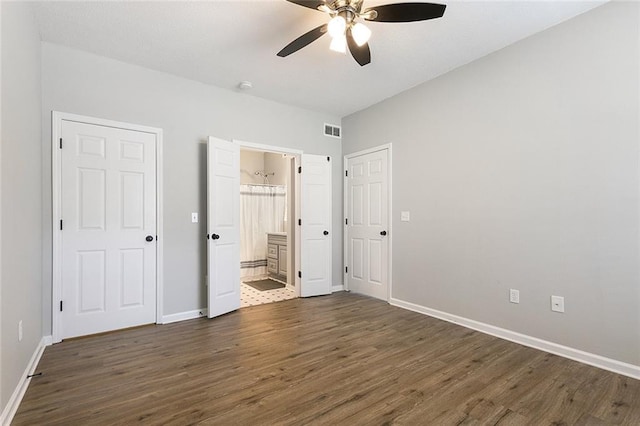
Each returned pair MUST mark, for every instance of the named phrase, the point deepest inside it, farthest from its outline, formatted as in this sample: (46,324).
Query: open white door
(223,226)
(316,225)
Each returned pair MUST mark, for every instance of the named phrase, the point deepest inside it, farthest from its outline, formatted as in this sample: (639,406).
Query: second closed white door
(367,222)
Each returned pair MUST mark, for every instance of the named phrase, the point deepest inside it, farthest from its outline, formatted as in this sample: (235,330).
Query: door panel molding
(389,226)
(93,147)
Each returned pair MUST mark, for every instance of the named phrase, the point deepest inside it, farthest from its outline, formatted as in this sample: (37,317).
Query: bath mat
(264,285)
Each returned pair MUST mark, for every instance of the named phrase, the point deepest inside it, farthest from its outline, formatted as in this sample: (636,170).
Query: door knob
(383,233)
(326,232)
(149,238)
(215,236)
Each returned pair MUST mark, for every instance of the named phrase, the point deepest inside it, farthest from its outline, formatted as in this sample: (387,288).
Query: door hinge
(61,224)
(328,158)
(346,221)
(60,143)
(346,173)
(346,269)
(300,169)
(61,306)
(299,222)
(299,274)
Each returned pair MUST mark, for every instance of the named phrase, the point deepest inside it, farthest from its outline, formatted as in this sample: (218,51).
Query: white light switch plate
(194,217)
(405,216)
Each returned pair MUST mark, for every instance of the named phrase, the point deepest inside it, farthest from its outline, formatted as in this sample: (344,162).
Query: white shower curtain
(262,210)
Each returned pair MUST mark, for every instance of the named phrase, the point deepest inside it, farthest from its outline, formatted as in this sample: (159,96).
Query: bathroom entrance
(267,241)
(308,238)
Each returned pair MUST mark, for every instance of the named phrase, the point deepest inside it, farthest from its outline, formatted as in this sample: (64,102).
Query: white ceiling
(224,42)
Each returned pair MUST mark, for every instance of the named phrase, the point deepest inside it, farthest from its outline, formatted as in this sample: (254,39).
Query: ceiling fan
(347,31)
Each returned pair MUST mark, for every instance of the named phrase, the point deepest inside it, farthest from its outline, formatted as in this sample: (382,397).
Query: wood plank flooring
(339,359)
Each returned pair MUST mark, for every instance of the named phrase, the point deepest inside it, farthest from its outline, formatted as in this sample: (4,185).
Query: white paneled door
(223,223)
(316,225)
(108,237)
(367,224)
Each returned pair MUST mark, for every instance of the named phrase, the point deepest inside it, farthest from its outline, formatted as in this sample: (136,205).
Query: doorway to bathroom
(267,241)
(309,236)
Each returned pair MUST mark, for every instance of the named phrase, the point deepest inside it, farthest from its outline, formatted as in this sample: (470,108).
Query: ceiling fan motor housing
(349,10)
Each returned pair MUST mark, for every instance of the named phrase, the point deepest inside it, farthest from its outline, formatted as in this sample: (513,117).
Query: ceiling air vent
(332,130)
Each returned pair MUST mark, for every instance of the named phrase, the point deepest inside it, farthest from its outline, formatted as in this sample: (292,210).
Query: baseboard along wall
(16,398)
(588,358)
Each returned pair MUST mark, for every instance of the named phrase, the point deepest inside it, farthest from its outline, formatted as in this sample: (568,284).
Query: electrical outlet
(20,331)
(557,303)
(514,296)
(405,216)
(194,217)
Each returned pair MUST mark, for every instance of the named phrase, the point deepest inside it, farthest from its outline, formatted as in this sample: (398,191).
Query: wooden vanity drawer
(272,251)
(272,266)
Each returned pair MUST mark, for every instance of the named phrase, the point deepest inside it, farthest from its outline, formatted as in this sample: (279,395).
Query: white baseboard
(14,402)
(337,288)
(183,316)
(594,360)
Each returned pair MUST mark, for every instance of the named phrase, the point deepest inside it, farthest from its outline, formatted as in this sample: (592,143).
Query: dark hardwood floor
(340,359)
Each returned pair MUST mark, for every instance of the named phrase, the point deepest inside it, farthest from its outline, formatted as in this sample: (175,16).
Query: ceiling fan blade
(311,4)
(361,54)
(303,40)
(406,12)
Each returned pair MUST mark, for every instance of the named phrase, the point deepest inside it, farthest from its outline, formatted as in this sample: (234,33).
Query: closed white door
(316,225)
(108,210)
(223,224)
(367,219)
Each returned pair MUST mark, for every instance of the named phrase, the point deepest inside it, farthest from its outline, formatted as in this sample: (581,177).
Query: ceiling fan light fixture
(337,26)
(345,25)
(339,44)
(361,33)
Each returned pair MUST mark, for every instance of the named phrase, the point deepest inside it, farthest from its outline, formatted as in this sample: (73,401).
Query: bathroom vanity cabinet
(277,256)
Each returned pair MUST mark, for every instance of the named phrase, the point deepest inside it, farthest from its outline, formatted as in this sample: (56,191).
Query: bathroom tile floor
(249,296)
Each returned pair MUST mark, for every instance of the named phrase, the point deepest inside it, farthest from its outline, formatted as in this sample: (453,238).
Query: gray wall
(276,163)
(253,161)
(520,170)
(188,112)
(250,162)
(21,194)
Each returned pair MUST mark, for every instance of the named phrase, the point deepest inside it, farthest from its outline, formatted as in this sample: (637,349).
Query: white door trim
(56,172)
(297,154)
(345,204)
(270,148)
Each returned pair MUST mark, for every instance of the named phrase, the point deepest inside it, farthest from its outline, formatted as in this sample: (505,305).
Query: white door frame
(345,248)
(56,193)
(297,154)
